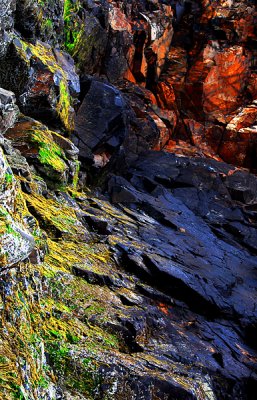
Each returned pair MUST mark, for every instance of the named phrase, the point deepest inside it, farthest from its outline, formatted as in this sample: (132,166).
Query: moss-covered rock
(44,81)
(54,156)
(42,19)
(87,44)
(16,239)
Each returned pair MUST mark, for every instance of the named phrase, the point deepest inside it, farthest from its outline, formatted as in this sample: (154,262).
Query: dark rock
(40,20)
(100,125)
(43,80)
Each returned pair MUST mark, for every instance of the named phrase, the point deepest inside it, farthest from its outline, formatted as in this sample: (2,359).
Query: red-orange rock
(165,95)
(199,139)
(187,150)
(118,20)
(164,135)
(239,144)
(172,78)
(225,83)
(244,119)
(143,37)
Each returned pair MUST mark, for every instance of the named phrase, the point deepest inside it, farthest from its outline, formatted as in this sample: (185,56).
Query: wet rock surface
(127,272)
(189,236)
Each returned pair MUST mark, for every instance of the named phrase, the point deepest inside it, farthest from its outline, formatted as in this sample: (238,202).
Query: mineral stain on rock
(128,205)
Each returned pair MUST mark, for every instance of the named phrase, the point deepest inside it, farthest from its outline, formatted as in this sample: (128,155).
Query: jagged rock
(126,123)
(16,240)
(100,123)
(54,156)
(146,290)
(7,9)
(239,140)
(8,110)
(167,209)
(41,20)
(44,81)
(149,126)
(209,77)
(90,47)
(139,42)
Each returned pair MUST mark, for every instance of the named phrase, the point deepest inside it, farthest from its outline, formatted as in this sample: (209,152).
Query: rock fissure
(128,200)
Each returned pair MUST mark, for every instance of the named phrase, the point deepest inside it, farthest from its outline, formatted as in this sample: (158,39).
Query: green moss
(64,103)
(8,178)
(45,302)
(42,382)
(58,355)
(48,24)
(50,153)
(46,56)
(73,26)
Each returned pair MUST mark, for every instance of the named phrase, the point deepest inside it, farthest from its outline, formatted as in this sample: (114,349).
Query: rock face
(211,70)
(100,123)
(8,110)
(16,240)
(41,20)
(128,272)
(7,8)
(47,81)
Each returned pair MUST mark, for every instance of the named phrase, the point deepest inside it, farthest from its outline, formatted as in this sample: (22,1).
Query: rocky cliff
(128,200)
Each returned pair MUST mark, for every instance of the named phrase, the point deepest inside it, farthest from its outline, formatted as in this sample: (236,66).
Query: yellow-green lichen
(45,323)
(49,152)
(46,56)
(55,216)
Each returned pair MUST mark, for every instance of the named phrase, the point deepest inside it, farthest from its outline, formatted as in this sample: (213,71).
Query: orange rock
(199,138)
(161,47)
(165,95)
(118,20)
(165,133)
(185,149)
(225,82)
(240,147)
(244,27)
(129,76)
(42,83)
(214,135)
(244,119)
(164,308)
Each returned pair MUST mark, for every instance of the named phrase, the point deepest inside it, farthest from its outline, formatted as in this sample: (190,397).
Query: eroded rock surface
(7,8)
(128,273)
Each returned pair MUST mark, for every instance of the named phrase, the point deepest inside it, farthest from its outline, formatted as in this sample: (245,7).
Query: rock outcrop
(7,9)
(128,272)
(211,70)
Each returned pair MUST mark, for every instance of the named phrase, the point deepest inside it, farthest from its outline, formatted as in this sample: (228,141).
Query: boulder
(43,80)
(41,20)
